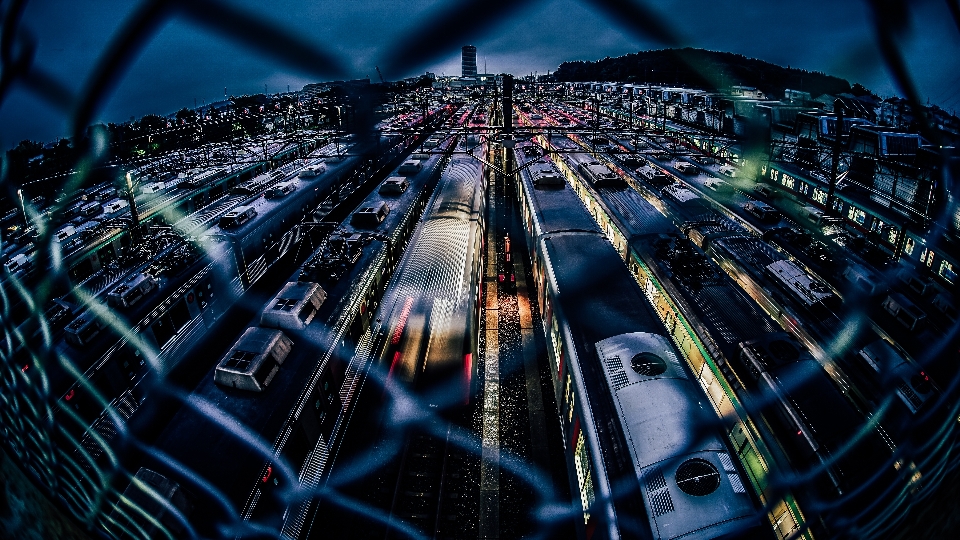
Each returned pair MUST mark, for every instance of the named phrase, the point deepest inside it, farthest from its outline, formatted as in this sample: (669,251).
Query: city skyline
(186,62)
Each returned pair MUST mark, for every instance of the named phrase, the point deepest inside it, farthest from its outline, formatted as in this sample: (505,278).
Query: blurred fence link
(80,462)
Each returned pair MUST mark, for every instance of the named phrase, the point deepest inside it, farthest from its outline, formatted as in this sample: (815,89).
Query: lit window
(908,246)
(820,196)
(947,272)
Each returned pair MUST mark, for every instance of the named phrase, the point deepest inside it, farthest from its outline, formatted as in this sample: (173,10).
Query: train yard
(484,309)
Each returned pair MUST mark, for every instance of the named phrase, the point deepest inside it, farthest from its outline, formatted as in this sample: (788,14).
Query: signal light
(269,473)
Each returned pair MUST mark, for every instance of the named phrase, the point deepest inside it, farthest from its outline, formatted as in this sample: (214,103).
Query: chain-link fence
(102,393)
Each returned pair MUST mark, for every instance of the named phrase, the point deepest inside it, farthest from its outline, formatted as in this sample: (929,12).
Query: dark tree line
(709,70)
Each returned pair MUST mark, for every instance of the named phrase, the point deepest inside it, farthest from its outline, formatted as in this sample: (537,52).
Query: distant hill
(709,70)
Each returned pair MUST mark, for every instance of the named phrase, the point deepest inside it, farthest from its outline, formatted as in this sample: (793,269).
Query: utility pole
(507,113)
(134,213)
(837,146)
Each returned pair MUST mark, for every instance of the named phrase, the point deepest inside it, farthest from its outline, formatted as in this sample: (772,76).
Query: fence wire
(83,440)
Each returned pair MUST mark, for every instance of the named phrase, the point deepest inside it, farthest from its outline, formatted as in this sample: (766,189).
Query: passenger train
(289,378)
(424,347)
(193,293)
(810,424)
(644,449)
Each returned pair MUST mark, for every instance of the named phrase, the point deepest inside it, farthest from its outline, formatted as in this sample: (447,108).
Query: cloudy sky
(191,57)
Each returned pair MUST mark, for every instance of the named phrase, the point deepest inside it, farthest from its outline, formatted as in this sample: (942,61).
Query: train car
(176,315)
(848,469)
(645,457)
(298,405)
(433,337)
(425,343)
(194,292)
(721,316)
(263,230)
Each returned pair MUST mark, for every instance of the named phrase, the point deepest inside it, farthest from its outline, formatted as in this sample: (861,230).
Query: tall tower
(469,60)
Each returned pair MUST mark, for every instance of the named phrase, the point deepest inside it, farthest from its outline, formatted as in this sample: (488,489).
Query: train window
(648,364)
(179,314)
(697,477)
(163,331)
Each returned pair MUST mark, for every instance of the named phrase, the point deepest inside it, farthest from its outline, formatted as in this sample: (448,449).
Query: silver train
(644,449)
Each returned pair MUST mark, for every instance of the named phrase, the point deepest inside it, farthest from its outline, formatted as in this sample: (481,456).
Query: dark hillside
(709,70)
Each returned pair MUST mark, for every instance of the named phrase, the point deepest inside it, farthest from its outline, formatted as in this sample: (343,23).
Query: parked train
(186,304)
(434,323)
(425,346)
(288,378)
(645,456)
(807,414)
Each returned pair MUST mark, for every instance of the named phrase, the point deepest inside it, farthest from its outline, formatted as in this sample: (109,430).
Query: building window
(892,235)
(803,188)
(947,272)
(787,181)
(857,215)
(927,257)
(908,246)
(820,196)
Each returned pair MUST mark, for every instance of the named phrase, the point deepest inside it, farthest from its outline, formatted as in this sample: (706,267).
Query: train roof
(553,206)
(598,295)
(638,217)
(459,194)
(833,420)
(690,483)
(193,439)
(438,242)
(266,208)
(91,353)
(395,201)
(644,373)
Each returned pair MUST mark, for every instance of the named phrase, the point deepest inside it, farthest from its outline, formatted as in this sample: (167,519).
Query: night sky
(186,60)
